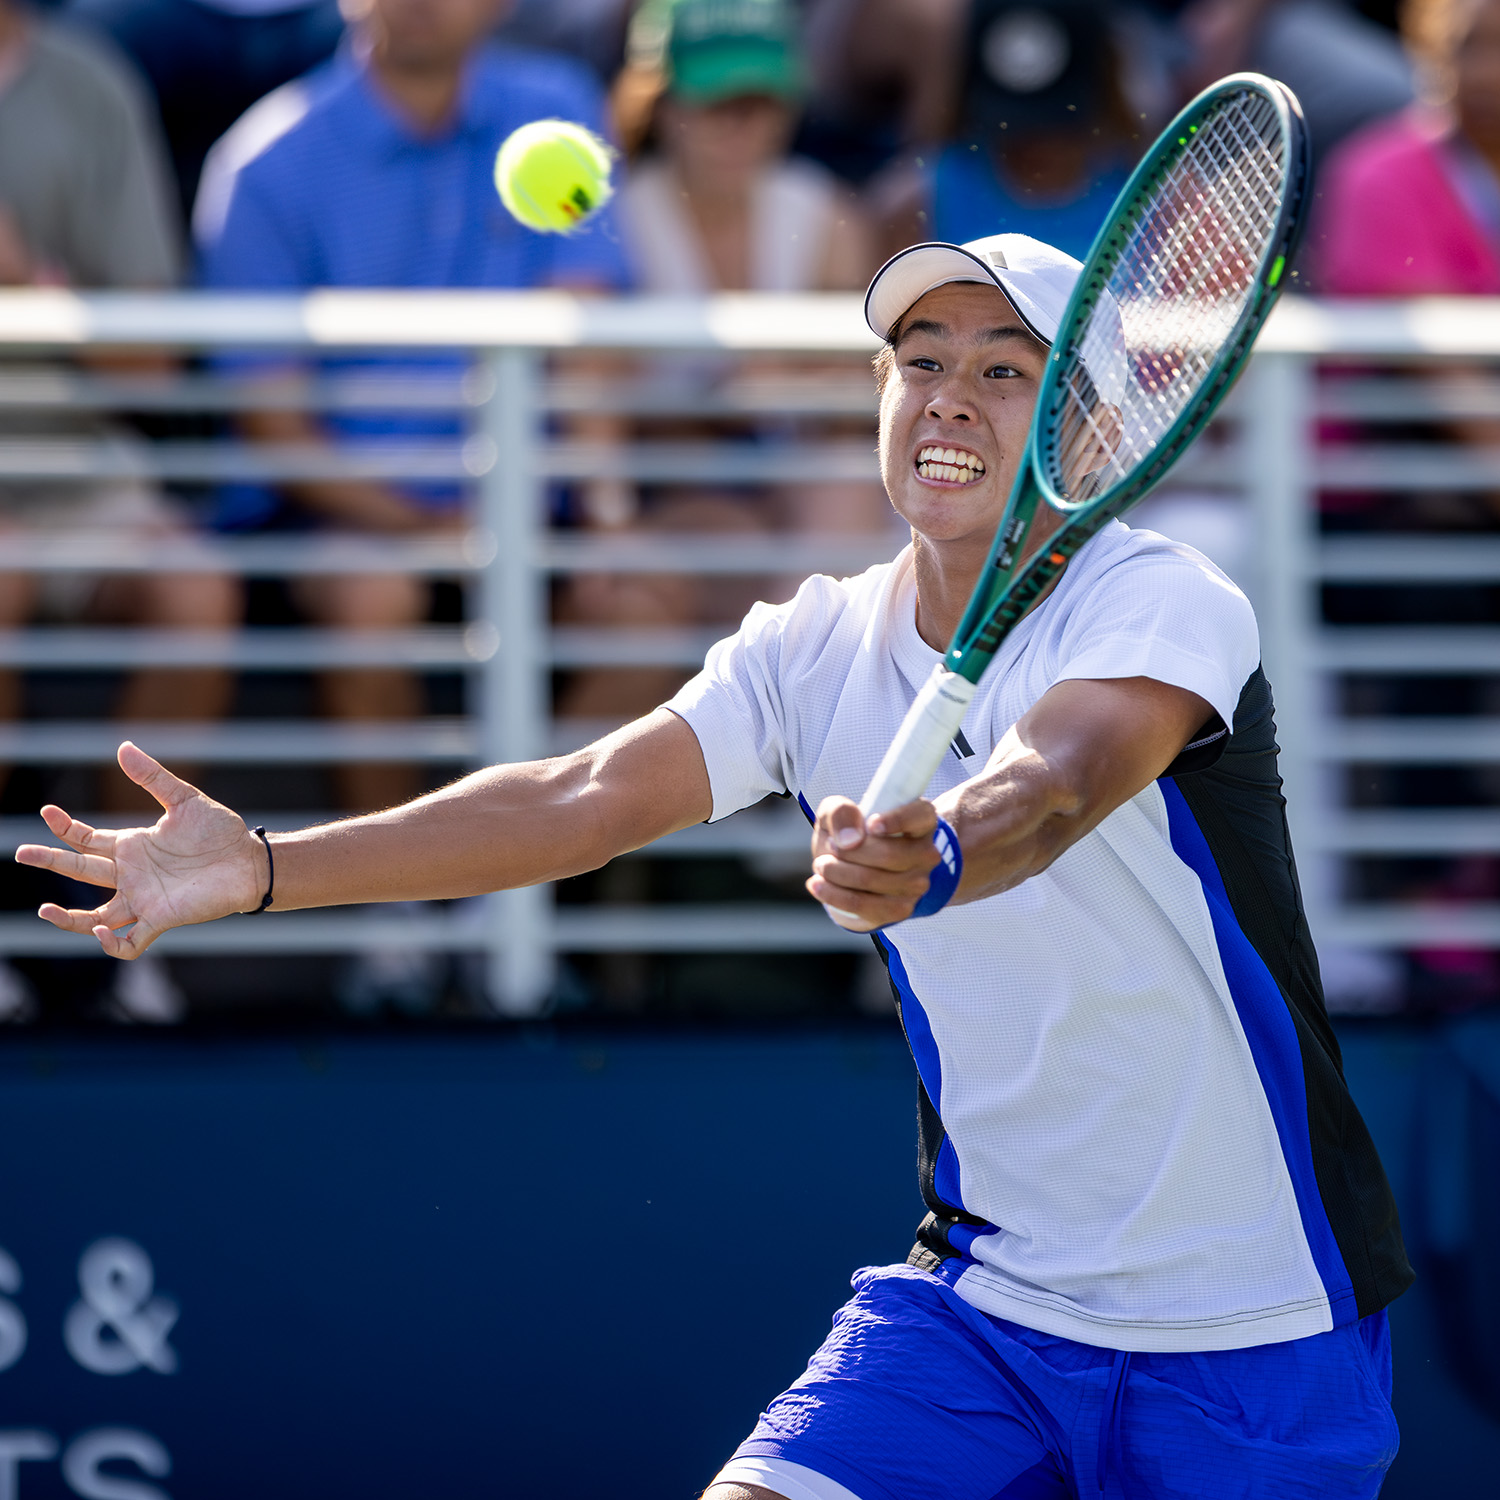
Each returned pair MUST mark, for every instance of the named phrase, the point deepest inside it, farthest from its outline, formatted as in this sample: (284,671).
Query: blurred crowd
(764,145)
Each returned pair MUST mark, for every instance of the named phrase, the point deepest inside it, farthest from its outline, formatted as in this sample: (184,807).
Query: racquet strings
(1183,275)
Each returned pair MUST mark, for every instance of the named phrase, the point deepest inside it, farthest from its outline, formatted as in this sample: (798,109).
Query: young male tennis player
(1160,1240)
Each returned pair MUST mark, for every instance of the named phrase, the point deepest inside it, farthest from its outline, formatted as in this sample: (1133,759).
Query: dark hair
(884,362)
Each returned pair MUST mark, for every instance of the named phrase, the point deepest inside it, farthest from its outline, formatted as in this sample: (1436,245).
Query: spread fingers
(92,869)
(76,834)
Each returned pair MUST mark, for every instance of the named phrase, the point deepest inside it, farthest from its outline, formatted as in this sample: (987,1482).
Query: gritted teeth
(956,465)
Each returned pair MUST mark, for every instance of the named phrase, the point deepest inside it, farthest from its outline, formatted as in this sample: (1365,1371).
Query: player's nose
(950,410)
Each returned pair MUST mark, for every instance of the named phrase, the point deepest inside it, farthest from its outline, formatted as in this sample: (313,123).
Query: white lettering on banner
(89,1450)
(21,1445)
(117,1326)
(83,1461)
(12,1319)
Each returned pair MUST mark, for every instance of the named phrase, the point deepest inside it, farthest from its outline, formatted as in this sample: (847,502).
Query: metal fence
(1263,458)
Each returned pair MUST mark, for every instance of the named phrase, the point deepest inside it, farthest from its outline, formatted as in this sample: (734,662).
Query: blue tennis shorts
(916,1395)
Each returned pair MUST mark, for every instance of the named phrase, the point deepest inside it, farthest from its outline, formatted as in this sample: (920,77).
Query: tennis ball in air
(552,174)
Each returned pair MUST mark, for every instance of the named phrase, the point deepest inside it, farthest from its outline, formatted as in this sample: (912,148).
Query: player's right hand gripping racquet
(1184,272)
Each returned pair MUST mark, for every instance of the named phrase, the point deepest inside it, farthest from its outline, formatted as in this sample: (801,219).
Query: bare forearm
(507,825)
(1084,750)
(503,827)
(1014,820)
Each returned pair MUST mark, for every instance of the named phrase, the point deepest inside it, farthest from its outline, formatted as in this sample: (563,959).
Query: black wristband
(265,900)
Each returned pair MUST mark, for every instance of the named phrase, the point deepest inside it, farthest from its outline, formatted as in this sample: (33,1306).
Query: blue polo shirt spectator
(325,184)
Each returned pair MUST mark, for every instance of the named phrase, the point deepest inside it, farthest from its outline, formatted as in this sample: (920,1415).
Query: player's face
(965,378)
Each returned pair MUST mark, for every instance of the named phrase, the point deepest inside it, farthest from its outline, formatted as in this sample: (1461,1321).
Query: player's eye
(1002,372)
(923,362)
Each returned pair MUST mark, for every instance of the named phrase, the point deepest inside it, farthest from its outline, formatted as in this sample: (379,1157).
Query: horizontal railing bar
(628,646)
(1397,399)
(59,461)
(791,394)
(355,319)
(684,552)
(1426,650)
(1420,329)
(722,463)
(701,929)
(309,555)
(1415,741)
(1410,831)
(1400,926)
(241,741)
(431,646)
(1410,559)
(794,394)
(295,555)
(1377,466)
(595,929)
(64,460)
(45,389)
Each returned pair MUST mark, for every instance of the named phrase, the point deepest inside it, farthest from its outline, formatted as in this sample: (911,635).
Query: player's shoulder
(1140,581)
(823,610)
(1121,554)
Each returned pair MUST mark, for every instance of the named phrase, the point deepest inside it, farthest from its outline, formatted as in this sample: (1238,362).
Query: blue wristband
(945,874)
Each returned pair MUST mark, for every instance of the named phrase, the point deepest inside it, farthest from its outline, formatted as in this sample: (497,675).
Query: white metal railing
(1263,450)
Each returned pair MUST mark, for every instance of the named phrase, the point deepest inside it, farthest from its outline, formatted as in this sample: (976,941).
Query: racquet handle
(917,751)
(920,743)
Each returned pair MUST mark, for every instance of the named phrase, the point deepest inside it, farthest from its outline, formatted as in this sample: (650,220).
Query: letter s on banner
(89,1450)
(12,1319)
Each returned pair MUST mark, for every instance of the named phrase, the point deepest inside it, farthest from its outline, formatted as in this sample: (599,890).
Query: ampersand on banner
(117,1326)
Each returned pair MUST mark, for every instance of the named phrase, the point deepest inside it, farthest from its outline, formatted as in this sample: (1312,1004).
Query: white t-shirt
(1107,1125)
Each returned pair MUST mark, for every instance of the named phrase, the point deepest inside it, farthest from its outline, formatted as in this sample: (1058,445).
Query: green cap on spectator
(721,49)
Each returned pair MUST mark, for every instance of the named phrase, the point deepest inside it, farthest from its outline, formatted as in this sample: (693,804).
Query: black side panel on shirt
(1239,808)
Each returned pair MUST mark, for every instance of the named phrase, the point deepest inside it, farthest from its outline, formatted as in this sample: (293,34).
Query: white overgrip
(920,743)
(916,752)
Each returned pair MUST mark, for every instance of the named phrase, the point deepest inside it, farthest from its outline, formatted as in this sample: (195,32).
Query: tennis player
(1160,1242)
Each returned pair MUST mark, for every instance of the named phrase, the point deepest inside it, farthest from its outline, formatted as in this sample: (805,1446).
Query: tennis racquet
(1177,285)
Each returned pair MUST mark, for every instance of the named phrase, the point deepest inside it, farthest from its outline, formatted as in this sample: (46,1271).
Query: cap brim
(915,271)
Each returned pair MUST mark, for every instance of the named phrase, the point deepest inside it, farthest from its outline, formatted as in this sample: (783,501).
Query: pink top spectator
(1394,221)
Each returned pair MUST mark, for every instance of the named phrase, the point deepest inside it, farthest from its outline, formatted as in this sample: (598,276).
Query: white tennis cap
(1037,279)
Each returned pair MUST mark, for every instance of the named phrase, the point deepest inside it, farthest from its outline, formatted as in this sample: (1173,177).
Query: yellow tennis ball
(552,175)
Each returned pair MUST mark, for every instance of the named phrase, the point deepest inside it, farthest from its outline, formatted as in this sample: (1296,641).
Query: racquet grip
(920,743)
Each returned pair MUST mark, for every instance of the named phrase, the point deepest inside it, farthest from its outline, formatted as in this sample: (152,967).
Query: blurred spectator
(378,173)
(1345,69)
(1411,205)
(712,95)
(85,201)
(719,205)
(593,31)
(1043,139)
(208,61)
(883,79)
